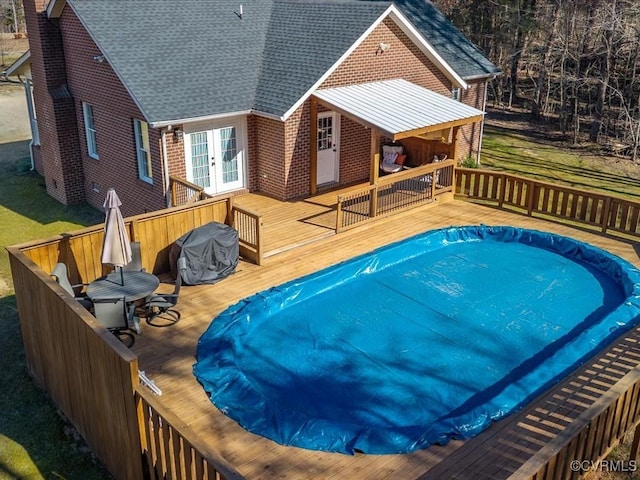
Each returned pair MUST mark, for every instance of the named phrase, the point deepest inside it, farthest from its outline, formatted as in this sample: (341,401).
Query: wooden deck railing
(85,370)
(607,213)
(393,193)
(589,437)
(248,224)
(184,192)
(62,340)
(249,227)
(171,449)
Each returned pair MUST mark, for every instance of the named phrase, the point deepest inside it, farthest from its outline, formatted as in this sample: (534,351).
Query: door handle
(213,161)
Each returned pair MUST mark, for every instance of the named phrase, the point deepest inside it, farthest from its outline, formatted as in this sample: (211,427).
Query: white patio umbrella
(116,247)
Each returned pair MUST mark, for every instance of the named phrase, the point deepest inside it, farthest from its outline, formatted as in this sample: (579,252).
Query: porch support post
(454,156)
(375,168)
(313,144)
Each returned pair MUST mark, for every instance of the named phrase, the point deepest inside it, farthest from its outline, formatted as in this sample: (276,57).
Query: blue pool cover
(418,342)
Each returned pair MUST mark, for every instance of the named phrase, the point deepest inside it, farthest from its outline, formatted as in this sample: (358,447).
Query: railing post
(606,211)
(339,214)
(259,247)
(531,190)
(373,201)
(633,453)
(502,190)
(174,193)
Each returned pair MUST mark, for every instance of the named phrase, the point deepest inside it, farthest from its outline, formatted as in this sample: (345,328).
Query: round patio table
(132,286)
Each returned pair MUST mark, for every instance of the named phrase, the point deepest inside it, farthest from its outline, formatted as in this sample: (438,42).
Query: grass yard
(520,148)
(35,442)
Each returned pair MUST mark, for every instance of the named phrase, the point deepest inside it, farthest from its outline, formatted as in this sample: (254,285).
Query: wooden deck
(167,355)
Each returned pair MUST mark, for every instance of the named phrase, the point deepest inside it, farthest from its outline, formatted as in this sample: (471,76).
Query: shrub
(469,162)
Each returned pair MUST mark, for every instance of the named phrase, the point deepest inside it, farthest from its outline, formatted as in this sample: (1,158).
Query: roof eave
(55,7)
(484,76)
(204,118)
(19,67)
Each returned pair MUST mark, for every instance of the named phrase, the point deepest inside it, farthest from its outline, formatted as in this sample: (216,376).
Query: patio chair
(135,265)
(392,158)
(60,274)
(159,308)
(115,316)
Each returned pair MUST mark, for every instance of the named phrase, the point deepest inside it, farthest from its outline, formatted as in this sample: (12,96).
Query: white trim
(54,9)
(413,35)
(17,68)
(210,126)
(90,133)
(205,118)
(140,148)
(335,141)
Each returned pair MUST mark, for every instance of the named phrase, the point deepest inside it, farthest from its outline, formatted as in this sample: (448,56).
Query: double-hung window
(90,130)
(142,150)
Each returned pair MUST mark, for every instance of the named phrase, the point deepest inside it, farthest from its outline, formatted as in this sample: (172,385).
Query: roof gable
(205,60)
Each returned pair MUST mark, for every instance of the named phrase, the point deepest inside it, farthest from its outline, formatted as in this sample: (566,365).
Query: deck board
(167,354)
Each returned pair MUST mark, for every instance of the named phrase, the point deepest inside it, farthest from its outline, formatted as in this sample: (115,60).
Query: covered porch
(424,123)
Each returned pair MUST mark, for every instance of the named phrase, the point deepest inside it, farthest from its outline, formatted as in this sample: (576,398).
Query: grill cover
(211,251)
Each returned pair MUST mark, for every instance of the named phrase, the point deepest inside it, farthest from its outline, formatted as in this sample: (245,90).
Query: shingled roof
(201,58)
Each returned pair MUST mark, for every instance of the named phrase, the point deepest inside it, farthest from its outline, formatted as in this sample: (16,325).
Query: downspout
(27,91)
(165,166)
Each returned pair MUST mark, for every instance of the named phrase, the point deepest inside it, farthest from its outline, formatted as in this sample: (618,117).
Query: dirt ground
(10,49)
(15,132)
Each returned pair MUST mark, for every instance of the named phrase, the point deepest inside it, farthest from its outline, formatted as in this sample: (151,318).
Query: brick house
(225,94)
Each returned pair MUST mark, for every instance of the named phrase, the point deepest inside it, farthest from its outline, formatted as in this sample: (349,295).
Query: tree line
(573,62)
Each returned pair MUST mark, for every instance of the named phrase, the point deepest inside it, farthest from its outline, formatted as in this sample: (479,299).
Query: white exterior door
(215,156)
(328,148)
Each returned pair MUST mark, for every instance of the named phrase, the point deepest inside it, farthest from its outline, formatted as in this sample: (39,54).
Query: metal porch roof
(398,108)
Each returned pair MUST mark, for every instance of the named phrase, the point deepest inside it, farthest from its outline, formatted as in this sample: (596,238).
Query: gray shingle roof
(197,58)
(463,56)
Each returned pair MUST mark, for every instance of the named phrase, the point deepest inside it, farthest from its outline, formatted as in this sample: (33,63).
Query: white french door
(215,157)
(328,148)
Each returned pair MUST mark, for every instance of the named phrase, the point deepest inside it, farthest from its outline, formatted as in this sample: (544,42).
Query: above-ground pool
(425,340)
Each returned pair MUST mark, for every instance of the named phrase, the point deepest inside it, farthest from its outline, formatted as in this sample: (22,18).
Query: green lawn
(35,442)
(514,152)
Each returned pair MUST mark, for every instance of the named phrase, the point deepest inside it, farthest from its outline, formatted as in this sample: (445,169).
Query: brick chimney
(55,107)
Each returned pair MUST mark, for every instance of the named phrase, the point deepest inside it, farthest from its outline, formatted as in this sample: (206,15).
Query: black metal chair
(61,275)
(159,308)
(117,317)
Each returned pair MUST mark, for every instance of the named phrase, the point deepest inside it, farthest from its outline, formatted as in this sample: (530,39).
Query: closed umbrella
(116,248)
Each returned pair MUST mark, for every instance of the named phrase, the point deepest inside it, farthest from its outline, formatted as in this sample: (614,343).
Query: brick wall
(175,153)
(270,156)
(58,160)
(366,64)
(117,167)
(469,136)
